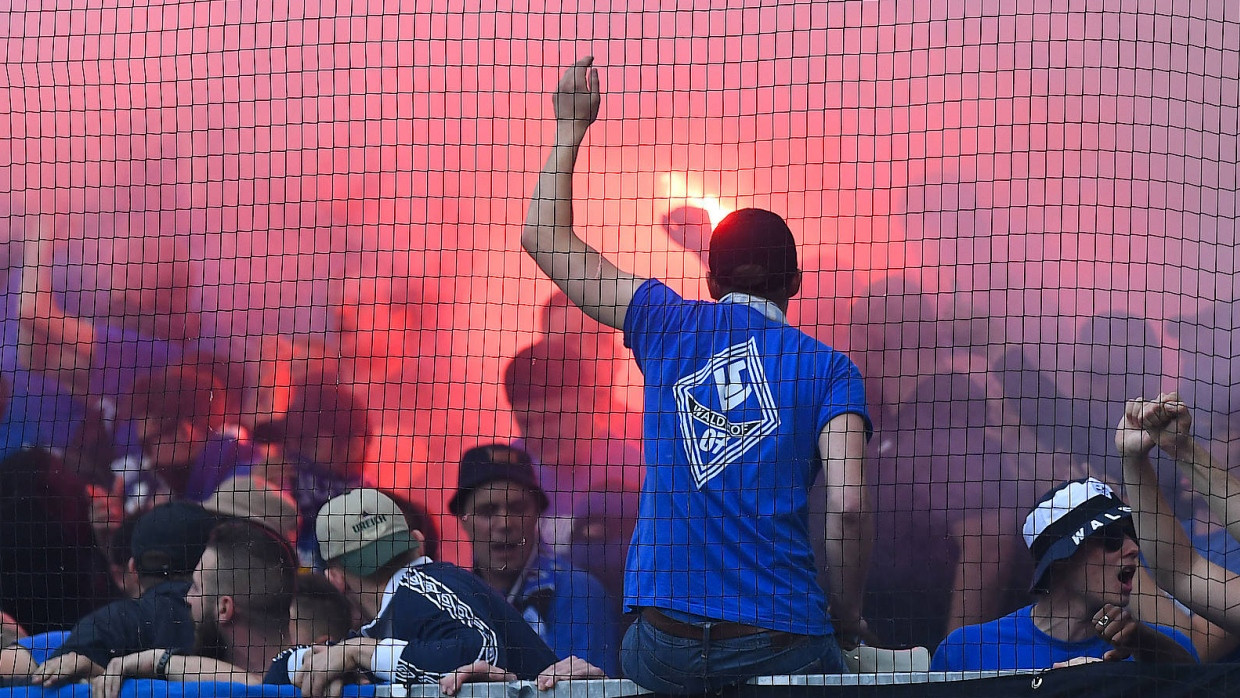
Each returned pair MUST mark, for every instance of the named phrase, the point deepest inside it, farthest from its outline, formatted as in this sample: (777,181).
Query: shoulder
(433,578)
(981,633)
(654,291)
(837,362)
(121,608)
(992,631)
(650,301)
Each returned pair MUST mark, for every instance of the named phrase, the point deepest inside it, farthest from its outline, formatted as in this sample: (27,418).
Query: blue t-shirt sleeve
(639,332)
(43,645)
(845,394)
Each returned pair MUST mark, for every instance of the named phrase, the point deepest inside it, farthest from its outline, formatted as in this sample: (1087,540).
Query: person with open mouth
(1085,550)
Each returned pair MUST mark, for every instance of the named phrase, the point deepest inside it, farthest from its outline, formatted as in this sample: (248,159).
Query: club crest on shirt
(707,403)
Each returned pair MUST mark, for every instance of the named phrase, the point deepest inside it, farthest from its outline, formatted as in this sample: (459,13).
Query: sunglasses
(1113,536)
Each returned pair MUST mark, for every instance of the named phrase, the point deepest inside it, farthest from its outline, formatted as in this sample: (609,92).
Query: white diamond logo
(724,409)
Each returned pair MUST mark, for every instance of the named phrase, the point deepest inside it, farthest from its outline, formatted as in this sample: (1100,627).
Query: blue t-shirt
(1015,643)
(570,610)
(43,645)
(735,402)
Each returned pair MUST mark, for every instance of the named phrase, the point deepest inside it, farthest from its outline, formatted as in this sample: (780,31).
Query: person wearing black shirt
(167,543)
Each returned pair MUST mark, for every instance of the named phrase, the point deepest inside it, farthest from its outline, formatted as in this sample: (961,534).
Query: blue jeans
(664,663)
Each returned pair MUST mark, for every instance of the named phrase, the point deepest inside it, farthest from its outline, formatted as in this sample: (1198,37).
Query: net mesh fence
(262,254)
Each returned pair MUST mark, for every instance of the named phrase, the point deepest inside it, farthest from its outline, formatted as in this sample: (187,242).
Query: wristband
(161,667)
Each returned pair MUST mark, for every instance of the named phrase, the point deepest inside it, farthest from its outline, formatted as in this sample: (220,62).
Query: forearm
(1154,646)
(551,205)
(548,236)
(192,668)
(1212,481)
(590,281)
(1164,542)
(850,538)
(70,666)
(16,665)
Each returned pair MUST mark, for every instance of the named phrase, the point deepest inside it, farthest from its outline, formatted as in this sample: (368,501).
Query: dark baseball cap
(483,464)
(752,236)
(169,539)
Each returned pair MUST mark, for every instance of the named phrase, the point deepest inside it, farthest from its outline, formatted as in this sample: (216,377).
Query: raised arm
(849,524)
(50,341)
(1194,581)
(600,289)
(1210,478)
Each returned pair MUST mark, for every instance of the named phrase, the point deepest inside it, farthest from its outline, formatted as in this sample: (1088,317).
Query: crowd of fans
(170,511)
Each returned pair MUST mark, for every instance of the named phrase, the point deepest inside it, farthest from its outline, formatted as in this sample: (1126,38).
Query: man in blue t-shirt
(1083,540)
(742,411)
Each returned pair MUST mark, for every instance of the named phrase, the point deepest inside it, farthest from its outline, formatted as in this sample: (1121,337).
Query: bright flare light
(682,189)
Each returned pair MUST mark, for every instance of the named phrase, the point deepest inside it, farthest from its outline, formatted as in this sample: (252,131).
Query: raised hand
(1131,439)
(1118,627)
(1164,421)
(1169,422)
(577,98)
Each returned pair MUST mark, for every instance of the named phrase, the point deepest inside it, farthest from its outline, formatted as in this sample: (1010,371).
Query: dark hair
(270,432)
(256,567)
(418,519)
(753,251)
(321,601)
(323,406)
(547,365)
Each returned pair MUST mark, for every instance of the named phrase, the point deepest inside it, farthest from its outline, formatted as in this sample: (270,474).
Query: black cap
(1065,517)
(169,539)
(483,464)
(752,236)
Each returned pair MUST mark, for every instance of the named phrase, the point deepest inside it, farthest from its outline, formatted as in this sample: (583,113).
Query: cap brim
(456,505)
(366,561)
(1061,550)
